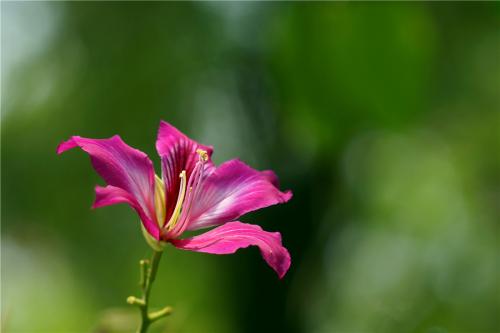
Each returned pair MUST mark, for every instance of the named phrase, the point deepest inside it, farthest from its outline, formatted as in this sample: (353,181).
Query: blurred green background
(383,118)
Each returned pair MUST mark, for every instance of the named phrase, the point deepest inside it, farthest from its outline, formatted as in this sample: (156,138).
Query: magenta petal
(171,139)
(111,195)
(122,167)
(232,236)
(178,153)
(232,190)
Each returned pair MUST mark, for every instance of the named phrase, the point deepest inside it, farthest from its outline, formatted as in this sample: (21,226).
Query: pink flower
(192,194)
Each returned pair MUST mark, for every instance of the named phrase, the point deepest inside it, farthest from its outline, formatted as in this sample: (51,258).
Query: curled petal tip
(283,269)
(66,145)
(287,195)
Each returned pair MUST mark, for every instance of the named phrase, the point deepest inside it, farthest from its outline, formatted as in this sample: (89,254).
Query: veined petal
(123,167)
(111,195)
(230,237)
(178,153)
(232,190)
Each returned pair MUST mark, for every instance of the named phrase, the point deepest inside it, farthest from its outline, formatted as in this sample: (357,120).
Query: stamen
(160,205)
(177,222)
(194,185)
(180,199)
(203,155)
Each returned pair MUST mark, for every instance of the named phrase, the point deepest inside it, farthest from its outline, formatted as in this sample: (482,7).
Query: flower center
(183,198)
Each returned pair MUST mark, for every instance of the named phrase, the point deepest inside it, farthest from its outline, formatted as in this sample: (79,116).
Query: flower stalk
(148,270)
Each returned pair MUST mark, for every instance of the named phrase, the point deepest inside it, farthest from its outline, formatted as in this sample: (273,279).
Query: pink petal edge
(230,237)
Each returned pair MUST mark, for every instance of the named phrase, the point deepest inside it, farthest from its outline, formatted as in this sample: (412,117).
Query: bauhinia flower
(191,194)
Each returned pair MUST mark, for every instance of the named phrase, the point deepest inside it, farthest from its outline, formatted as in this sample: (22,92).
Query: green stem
(148,275)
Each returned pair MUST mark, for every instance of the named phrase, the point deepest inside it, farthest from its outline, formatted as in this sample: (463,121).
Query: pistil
(180,199)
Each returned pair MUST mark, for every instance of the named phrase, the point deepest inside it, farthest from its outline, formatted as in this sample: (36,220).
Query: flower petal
(178,153)
(232,236)
(232,190)
(111,195)
(123,167)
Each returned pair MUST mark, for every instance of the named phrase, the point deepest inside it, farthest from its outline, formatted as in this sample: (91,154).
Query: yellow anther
(203,154)
(180,199)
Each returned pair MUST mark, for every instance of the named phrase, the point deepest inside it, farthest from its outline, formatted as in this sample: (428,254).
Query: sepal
(155,244)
